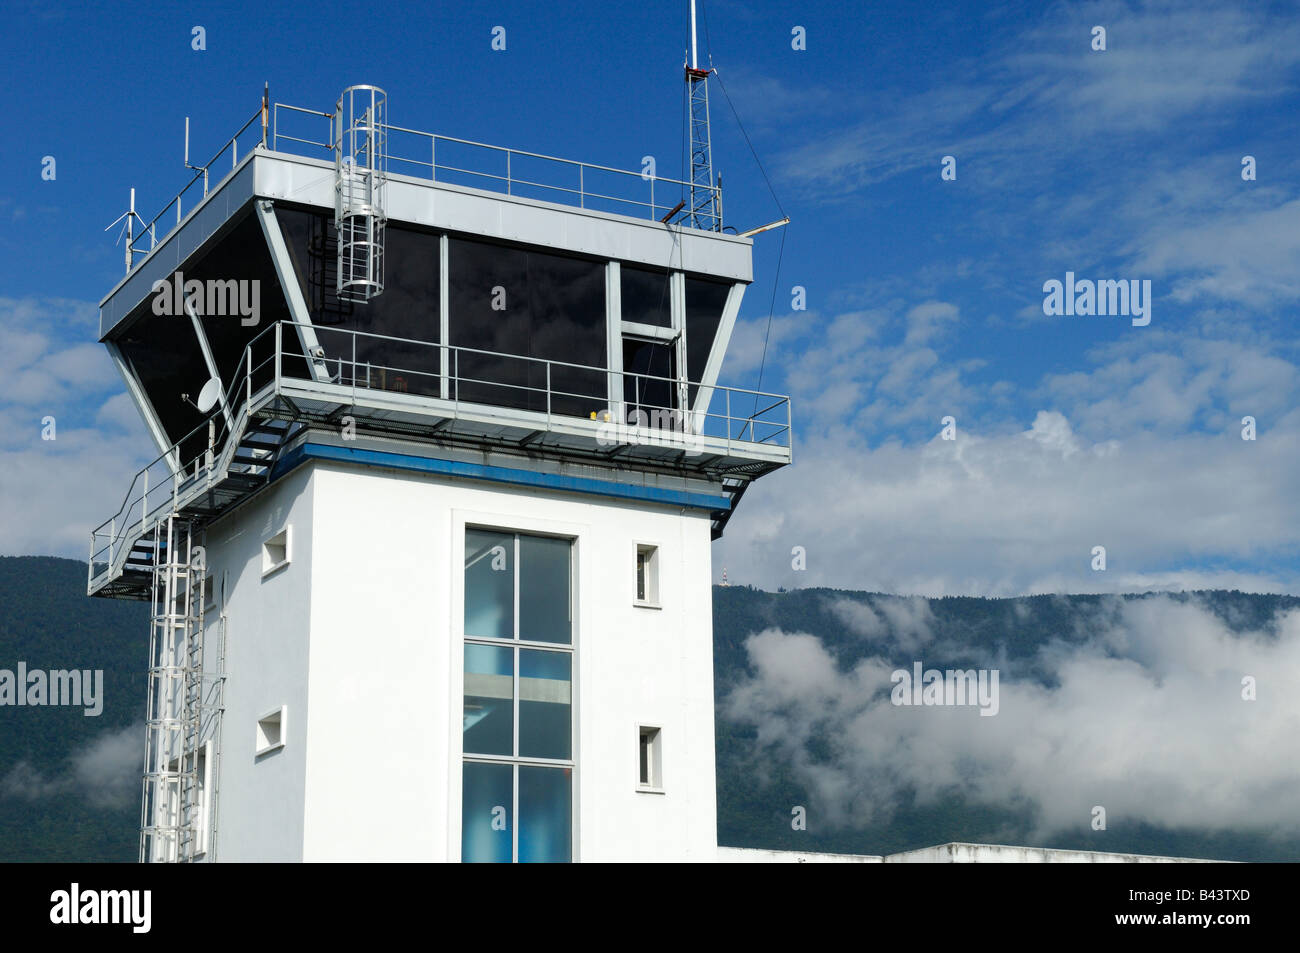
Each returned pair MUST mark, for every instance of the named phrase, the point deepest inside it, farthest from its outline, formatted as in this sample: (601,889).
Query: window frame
(269,565)
(463,523)
(654,576)
(654,782)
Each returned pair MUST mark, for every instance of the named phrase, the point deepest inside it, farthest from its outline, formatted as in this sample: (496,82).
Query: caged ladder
(359,174)
(183,711)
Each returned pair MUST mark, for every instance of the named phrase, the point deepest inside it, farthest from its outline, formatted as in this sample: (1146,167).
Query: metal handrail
(177,476)
(509,179)
(201,172)
(156,225)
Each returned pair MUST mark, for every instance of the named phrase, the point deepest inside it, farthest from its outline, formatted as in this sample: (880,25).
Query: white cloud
(1138,450)
(104,772)
(907,621)
(52,492)
(1144,718)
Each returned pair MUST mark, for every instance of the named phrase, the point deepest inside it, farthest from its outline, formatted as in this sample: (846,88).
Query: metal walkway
(234,452)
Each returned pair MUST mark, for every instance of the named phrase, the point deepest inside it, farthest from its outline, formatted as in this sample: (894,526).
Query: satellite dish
(209,396)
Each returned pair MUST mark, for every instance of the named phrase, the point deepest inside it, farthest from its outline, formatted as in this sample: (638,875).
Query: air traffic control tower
(441,450)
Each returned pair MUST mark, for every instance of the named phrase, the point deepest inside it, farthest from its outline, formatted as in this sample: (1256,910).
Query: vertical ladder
(359,173)
(172,797)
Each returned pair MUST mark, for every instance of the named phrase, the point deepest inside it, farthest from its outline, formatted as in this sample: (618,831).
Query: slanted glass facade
(460,319)
(539,306)
(388,342)
(240,298)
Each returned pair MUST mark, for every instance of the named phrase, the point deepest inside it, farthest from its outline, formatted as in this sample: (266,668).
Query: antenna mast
(705,205)
(128,230)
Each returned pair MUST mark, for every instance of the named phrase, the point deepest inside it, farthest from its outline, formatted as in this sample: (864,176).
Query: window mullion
(514,829)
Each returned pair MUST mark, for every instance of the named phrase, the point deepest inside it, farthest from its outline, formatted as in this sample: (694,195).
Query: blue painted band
(479,471)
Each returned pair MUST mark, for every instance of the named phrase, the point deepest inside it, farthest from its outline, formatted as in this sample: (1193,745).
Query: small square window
(275,552)
(650,759)
(647,575)
(271,729)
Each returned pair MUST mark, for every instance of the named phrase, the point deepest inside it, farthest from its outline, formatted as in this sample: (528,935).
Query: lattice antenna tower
(705,209)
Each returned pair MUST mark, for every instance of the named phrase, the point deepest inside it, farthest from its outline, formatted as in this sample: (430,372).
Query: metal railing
(189,197)
(158,487)
(512,171)
(440,159)
(448,382)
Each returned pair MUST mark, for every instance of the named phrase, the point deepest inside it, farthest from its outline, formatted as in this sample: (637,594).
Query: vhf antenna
(128,229)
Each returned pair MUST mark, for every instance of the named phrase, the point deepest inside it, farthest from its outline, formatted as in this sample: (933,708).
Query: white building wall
(947,854)
(376,701)
(957,853)
(377,770)
(751,855)
(259,808)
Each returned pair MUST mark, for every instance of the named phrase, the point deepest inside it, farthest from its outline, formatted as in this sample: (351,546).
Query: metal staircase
(230,473)
(186,695)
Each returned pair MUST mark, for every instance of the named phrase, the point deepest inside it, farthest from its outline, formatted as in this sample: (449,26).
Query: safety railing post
(548,396)
(789,433)
(728,419)
(279,326)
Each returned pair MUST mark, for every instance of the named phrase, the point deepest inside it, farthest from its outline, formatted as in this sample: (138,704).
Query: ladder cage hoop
(360,171)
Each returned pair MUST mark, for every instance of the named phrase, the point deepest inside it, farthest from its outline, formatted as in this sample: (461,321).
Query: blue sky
(924,295)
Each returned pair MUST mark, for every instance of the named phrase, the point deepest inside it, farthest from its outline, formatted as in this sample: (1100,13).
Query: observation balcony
(481,404)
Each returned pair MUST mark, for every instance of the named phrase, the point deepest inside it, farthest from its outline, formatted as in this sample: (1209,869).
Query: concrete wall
(999,854)
(268,620)
(947,854)
(747,855)
(375,693)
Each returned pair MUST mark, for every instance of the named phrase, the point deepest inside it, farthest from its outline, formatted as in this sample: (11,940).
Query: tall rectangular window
(517,736)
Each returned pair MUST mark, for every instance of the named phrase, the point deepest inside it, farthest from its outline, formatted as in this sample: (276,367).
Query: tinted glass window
(645,296)
(649,369)
(490,584)
(489,699)
(545,815)
(704,303)
(537,306)
(408,308)
(487,798)
(239,285)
